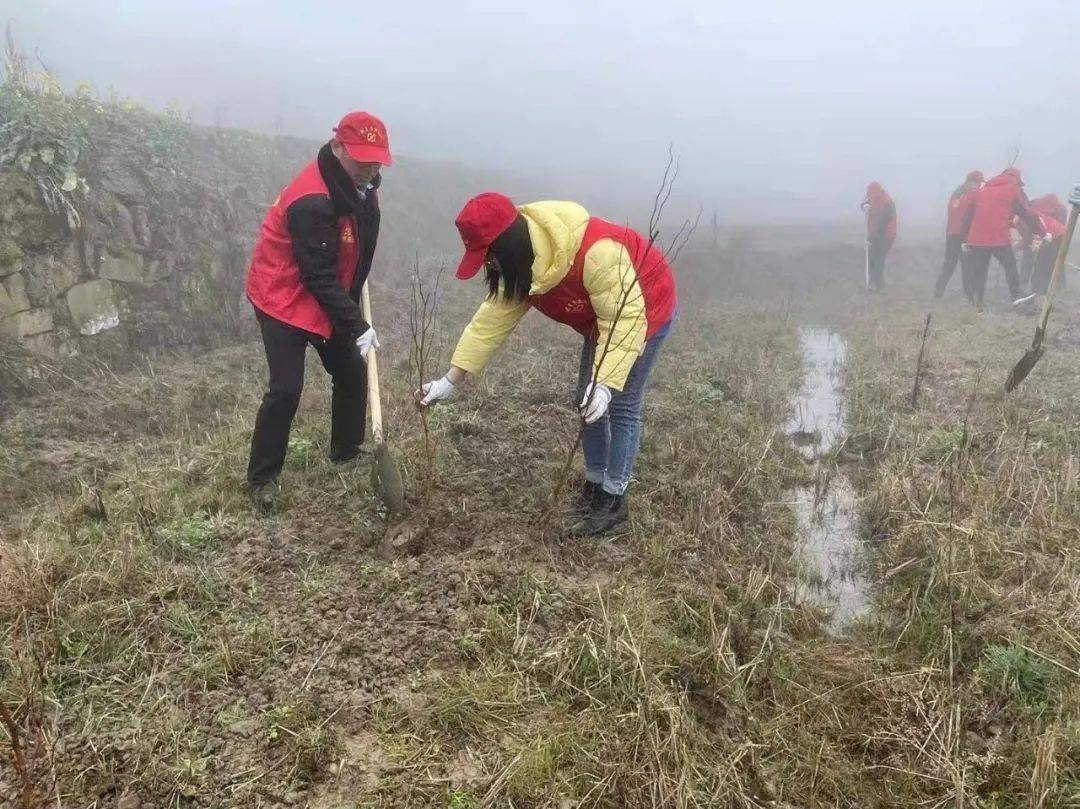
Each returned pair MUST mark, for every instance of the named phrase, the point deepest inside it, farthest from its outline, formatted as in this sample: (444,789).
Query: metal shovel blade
(1020,371)
(386,479)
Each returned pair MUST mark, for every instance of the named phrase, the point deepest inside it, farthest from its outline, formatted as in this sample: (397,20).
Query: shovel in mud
(1027,362)
(385,473)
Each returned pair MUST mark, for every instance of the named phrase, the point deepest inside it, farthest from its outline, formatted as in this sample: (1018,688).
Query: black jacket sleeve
(313,227)
(368,217)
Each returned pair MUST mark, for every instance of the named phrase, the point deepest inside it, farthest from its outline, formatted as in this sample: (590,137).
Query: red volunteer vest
(273,281)
(568,301)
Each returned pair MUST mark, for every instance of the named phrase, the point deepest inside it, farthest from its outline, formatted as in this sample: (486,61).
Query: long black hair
(510,259)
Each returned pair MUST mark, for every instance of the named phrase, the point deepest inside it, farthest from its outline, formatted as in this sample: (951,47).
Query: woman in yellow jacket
(603,280)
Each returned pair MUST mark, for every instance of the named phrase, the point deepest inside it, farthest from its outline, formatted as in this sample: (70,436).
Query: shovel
(1020,371)
(866,252)
(385,474)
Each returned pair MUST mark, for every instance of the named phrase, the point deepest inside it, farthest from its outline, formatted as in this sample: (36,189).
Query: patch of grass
(457,799)
(942,442)
(303,453)
(189,535)
(1016,674)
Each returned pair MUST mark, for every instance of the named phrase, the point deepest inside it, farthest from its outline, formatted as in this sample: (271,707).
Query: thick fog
(780,110)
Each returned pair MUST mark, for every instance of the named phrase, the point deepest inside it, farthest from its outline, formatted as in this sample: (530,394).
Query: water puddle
(826,510)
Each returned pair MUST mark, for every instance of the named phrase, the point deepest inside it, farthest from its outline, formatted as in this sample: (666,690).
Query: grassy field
(180,650)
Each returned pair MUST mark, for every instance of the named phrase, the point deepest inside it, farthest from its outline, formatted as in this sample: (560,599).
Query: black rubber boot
(608,512)
(583,504)
(266,497)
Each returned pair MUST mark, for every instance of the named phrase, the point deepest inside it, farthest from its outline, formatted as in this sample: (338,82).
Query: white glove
(436,391)
(593,409)
(367,341)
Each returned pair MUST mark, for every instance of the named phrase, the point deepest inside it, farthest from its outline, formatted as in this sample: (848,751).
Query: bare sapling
(24,734)
(919,362)
(628,293)
(15,69)
(423,311)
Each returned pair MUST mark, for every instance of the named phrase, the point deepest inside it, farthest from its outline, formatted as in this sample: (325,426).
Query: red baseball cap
(364,138)
(483,219)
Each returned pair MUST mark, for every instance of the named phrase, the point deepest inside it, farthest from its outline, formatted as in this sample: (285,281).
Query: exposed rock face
(13,297)
(160,249)
(126,266)
(26,324)
(93,307)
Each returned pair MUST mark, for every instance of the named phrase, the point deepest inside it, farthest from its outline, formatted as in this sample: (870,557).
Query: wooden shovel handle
(1055,278)
(374,403)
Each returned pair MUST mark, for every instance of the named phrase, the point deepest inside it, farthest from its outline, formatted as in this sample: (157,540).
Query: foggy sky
(779,109)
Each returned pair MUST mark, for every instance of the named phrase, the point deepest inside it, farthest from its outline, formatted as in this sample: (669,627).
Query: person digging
(311,260)
(880,233)
(959,203)
(985,234)
(603,280)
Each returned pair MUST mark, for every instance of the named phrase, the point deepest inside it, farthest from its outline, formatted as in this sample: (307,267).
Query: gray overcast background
(779,109)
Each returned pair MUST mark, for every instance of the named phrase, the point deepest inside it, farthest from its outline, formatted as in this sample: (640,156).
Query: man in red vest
(880,231)
(313,256)
(959,203)
(604,281)
(986,232)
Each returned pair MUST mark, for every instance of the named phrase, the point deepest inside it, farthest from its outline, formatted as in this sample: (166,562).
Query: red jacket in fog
(959,205)
(1051,206)
(881,214)
(995,204)
(1053,228)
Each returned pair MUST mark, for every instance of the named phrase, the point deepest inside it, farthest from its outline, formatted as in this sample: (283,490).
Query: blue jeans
(611,442)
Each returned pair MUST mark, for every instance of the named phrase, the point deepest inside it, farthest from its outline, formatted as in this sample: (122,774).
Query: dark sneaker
(585,499)
(265,497)
(608,512)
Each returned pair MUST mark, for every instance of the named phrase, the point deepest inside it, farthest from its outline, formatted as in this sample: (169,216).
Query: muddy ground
(181,650)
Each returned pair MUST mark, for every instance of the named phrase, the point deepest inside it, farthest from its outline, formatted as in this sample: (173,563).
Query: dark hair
(510,259)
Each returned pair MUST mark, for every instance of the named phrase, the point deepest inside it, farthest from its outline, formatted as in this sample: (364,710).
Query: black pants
(979,263)
(953,253)
(1044,266)
(1027,263)
(878,250)
(286,347)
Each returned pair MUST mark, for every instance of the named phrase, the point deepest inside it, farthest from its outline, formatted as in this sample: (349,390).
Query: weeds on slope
(196,654)
(973,502)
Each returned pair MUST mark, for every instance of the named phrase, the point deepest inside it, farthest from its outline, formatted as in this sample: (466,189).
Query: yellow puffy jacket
(556,230)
